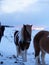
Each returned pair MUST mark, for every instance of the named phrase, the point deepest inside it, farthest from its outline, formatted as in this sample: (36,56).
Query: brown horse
(22,40)
(41,43)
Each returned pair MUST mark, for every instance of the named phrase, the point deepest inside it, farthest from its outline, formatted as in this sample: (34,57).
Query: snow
(8,50)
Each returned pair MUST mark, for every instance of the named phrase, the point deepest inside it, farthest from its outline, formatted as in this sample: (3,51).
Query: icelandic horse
(22,40)
(2,29)
(41,43)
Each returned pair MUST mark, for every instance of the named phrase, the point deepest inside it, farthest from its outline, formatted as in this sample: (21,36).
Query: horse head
(27,29)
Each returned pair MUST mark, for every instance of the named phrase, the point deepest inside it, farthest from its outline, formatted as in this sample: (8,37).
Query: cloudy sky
(18,12)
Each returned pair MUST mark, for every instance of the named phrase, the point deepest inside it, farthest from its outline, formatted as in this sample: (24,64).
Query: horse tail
(36,40)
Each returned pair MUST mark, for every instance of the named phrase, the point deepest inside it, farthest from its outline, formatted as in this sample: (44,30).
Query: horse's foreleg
(43,57)
(17,48)
(24,55)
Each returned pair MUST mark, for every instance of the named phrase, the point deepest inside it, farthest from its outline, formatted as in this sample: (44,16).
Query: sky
(19,12)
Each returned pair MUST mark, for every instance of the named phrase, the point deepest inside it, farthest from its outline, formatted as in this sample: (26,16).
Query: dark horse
(41,43)
(2,29)
(22,40)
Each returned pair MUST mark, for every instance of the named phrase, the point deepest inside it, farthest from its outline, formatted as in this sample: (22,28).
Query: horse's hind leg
(43,57)
(37,52)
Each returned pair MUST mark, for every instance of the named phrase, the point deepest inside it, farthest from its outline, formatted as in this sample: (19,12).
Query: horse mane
(24,33)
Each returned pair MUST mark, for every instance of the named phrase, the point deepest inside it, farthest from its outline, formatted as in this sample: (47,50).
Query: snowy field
(8,50)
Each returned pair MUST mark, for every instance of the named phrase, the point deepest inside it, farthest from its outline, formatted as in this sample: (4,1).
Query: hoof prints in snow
(11,60)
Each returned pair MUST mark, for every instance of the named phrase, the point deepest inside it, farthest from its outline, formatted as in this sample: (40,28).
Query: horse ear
(31,25)
(24,25)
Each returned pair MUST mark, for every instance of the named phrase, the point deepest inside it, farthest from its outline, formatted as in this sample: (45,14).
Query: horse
(22,40)
(41,44)
(2,29)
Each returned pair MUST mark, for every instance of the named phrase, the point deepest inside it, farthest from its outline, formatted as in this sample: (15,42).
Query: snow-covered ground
(8,50)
